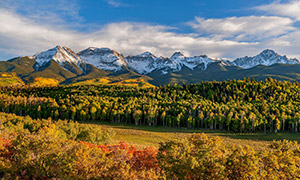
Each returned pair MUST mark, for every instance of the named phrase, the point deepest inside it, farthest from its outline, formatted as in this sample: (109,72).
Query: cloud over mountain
(290,9)
(24,33)
(249,28)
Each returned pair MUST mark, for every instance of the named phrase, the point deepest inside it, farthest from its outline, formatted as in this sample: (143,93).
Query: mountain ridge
(147,62)
(111,60)
(267,57)
(66,66)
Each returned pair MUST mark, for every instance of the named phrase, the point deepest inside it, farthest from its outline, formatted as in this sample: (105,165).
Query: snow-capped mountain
(62,55)
(267,57)
(146,63)
(178,60)
(103,58)
(143,63)
(192,62)
(166,65)
(64,65)
(107,59)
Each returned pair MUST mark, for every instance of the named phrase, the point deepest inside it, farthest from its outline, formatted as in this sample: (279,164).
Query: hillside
(10,79)
(64,66)
(218,72)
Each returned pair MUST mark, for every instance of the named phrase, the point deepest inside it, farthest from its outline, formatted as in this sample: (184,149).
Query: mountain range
(98,65)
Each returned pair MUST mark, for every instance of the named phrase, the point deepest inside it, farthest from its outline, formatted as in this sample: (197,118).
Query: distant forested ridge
(235,105)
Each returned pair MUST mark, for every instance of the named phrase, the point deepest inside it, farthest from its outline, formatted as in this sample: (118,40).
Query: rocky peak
(143,63)
(59,54)
(267,57)
(146,54)
(268,53)
(177,55)
(103,58)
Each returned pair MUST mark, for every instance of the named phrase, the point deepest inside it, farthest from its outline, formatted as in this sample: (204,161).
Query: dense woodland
(236,105)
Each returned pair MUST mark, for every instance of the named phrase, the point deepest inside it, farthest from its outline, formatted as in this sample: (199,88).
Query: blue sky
(217,28)
(165,12)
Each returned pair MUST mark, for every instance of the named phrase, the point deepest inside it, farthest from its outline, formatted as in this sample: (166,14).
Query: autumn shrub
(282,162)
(203,157)
(121,162)
(14,123)
(195,157)
(45,155)
(107,135)
(5,154)
(81,132)
(242,163)
(66,129)
(41,155)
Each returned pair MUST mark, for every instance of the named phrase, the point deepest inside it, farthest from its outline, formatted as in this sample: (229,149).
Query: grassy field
(142,136)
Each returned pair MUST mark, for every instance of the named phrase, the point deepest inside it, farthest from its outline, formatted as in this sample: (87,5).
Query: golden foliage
(10,79)
(41,81)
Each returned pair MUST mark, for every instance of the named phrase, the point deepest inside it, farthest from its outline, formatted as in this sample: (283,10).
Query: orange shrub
(45,155)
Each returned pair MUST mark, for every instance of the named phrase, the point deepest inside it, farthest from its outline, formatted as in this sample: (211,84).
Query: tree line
(235,105)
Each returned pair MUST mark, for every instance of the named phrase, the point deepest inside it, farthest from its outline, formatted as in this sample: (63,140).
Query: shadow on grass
(260,136)
(264,137)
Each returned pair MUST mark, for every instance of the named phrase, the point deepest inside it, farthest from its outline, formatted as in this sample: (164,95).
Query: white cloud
(116,3)
(290,9)
(133,38)
(21,36)
(51,11)
(288,44)
(249,28)
(228,37)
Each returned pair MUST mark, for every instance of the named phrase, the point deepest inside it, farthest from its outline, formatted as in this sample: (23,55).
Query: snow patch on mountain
(143,63)
(103,58)
(190,62)
(58,54)
(146,62)
(167,65)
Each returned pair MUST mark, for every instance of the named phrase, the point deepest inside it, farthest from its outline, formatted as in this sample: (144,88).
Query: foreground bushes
(197,157)
(45,156)
(201,157)
(65,129)
(42,149)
